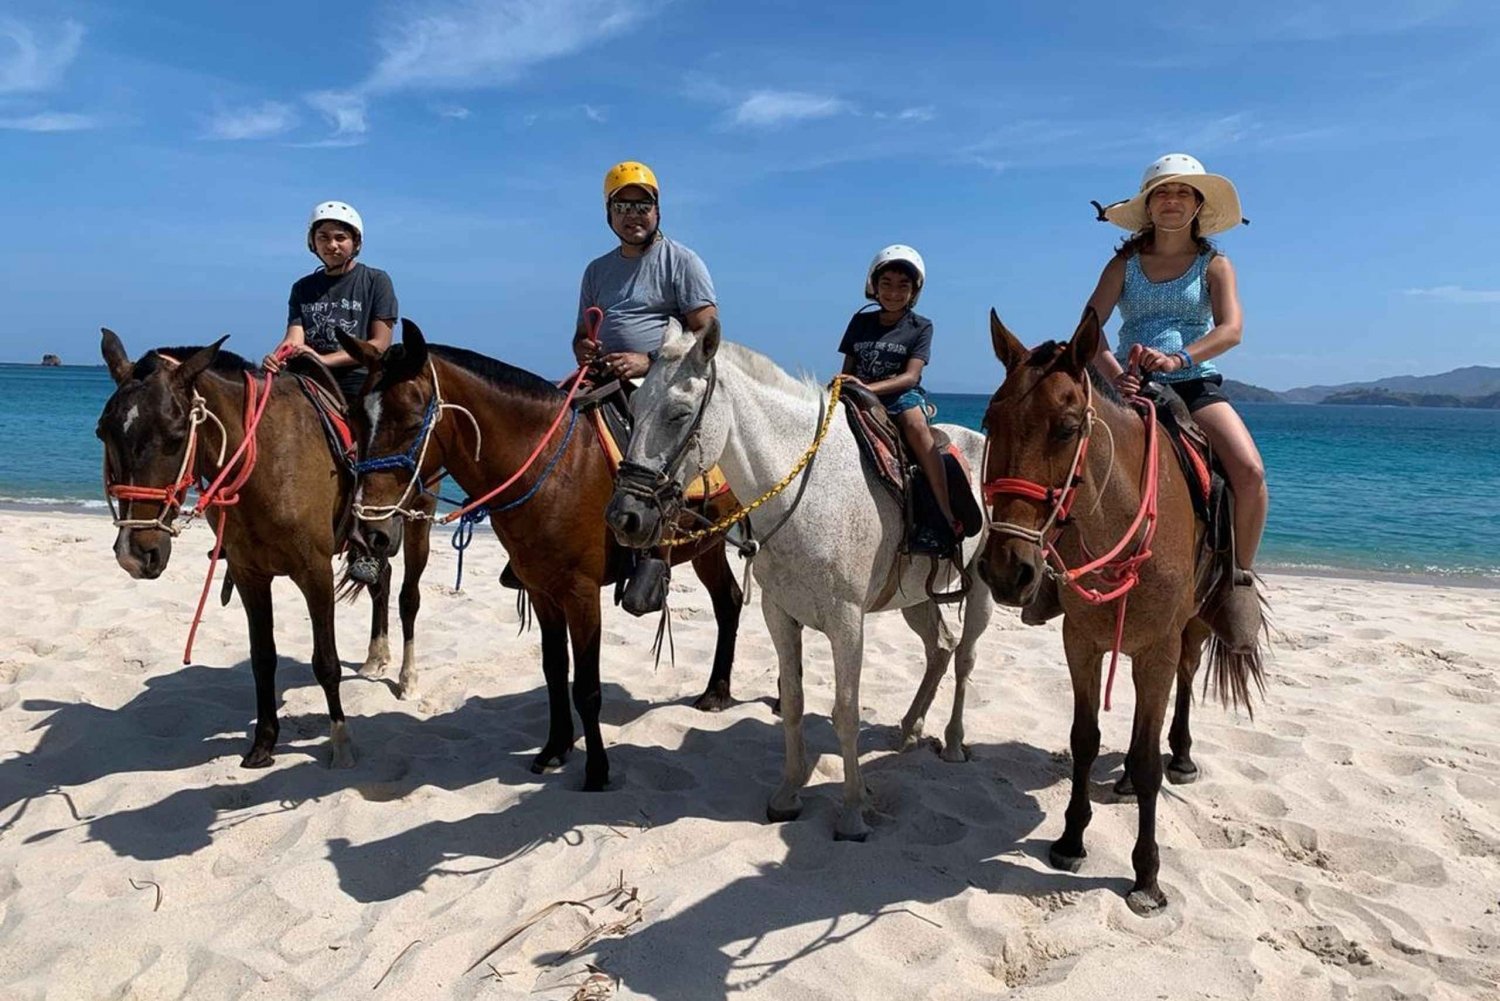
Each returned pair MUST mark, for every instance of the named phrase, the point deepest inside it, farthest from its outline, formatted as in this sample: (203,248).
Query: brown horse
(161,430)
(1049,488)
(551,522)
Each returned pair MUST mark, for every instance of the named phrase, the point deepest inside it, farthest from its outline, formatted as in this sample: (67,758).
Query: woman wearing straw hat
(1176,294)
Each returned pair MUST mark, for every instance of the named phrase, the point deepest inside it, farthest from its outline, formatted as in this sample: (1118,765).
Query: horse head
(393,423)
(680,432)
(1036,423)
(148,432)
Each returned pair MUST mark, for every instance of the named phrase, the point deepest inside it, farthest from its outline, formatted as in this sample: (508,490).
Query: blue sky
(160,160)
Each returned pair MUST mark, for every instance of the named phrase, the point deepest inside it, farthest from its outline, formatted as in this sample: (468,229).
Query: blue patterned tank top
(1166,316)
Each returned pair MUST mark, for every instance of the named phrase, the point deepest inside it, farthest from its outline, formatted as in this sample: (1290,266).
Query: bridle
(172,496)
(657,487)
(413,458)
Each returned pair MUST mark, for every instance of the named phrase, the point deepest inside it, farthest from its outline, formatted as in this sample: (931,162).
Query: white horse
(828,542)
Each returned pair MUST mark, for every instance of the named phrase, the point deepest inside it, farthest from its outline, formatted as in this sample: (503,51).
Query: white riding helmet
(340,212)
(896,253)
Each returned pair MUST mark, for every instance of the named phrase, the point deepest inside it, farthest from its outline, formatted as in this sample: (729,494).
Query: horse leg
(554,626)
(1084,659)
(926,621)
(786,636)
(584,628)
(416,545)
(316,585)
(255,595)
(379,653)
(712,568)
(846,636)
(981,605)
(1153,673)
(1180,769)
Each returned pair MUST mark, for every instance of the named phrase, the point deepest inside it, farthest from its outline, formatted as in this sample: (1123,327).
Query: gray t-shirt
(638,294)
(326,305)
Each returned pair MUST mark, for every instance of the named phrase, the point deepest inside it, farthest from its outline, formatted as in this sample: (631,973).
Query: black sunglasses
(623,207)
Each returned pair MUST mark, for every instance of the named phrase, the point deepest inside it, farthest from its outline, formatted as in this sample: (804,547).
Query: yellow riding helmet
(627,173)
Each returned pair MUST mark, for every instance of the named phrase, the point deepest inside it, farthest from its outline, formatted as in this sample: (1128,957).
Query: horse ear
(115,358)
(362,352)
(1008,348)
(416,344)
(708,341)
(197,363)
(1085,343)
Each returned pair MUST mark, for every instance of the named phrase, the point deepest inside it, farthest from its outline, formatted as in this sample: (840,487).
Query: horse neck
(510,424)
(224,395)
(771,425)
(1116,453)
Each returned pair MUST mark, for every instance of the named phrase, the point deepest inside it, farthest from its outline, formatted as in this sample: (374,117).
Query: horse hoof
(257,758)
(1182,775)
(714,700)
(548,761)
(373,668)
(1067,863)
(1147,903)
(596,783)
(778,816)
(956,753)
(1124,788)
(343,757)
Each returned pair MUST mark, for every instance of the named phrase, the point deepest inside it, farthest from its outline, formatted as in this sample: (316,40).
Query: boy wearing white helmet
(641,283)
(342,296)
(1177,296)
(885,351)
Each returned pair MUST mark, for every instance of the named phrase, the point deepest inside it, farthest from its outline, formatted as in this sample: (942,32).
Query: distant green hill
(1472,381)
(1387,398)
(1247,393)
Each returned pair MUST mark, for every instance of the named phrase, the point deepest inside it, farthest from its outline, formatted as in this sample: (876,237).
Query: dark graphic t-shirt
(326,305)
(881,352)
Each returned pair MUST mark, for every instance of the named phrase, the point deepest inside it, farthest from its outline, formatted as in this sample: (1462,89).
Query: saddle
(1208,485)
(322,391)
(884,451)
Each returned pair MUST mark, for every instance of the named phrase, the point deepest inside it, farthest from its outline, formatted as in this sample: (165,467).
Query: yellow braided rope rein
(732,517)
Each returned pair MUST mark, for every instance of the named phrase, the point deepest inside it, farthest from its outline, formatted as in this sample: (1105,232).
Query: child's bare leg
(919,438)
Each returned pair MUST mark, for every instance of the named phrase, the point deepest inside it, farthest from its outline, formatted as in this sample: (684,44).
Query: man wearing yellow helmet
(647,279)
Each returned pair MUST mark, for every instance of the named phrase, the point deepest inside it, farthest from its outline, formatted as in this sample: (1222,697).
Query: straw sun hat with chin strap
(1221,203)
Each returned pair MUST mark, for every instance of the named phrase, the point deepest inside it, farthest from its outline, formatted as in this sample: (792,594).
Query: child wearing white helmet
(342,296)
(885,351)
(1176,294)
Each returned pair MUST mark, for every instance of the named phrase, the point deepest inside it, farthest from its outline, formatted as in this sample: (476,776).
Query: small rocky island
(51,360)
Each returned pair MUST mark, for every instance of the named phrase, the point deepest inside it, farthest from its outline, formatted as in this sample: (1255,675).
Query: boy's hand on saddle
(626,364)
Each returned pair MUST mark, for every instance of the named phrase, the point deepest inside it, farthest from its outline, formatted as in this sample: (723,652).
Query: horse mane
(765,371)
(225,362)
(1046,353)
(497,373)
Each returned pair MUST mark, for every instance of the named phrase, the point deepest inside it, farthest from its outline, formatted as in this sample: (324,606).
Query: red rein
(594,316)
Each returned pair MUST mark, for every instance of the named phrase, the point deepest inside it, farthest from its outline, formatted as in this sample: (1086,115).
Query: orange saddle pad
(701,489)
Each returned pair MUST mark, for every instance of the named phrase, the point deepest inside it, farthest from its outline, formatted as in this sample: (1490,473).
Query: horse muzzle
(1013,570)
(636,524)
(379,538)
(143,553)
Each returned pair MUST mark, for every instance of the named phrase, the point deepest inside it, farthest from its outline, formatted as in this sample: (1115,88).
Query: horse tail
(1231,671)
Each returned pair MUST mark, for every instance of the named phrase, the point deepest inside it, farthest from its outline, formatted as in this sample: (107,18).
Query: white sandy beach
(1344,844)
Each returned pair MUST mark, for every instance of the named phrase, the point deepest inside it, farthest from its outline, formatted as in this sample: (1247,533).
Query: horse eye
(1066,432)
(678,416)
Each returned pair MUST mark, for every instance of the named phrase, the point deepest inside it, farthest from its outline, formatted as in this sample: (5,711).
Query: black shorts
(1199,393)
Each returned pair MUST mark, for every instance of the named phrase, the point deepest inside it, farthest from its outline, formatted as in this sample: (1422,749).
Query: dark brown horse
(551,521)
(162,427)
(1060,446)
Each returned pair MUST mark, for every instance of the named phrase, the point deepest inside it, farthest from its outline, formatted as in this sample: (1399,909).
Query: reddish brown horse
(551,521)
(162,432)
(1069,474)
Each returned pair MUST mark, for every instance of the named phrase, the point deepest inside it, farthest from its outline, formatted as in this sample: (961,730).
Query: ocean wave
(83,504)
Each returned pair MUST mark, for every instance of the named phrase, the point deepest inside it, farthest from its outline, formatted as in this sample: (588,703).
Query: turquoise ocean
(1390,490)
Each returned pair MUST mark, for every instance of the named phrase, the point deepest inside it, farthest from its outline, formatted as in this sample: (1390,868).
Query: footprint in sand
(927,827)
(664,777)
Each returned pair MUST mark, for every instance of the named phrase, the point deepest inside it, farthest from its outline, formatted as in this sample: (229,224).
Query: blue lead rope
(463,532)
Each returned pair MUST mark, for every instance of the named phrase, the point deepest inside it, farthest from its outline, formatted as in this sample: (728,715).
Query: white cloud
(345,112)
(593,114)
(770,108)
(50,121)
(453,111)
(923,114)
(263,120)
(472,43)
(1456,293)
(29,62)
